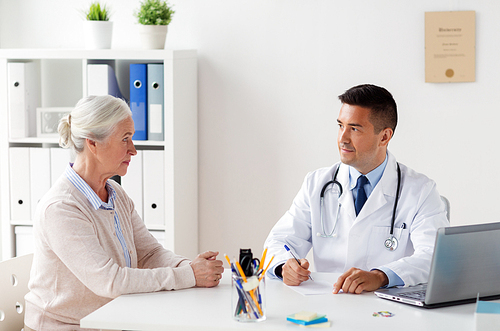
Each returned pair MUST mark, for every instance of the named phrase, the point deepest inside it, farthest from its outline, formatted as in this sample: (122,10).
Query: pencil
(242,274)
(262,259)
(264,272)
(228,260)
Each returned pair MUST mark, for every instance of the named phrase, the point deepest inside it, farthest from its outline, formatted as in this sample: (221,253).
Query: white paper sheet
(313,287)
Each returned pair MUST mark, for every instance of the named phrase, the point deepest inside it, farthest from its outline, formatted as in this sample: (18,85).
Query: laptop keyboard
(417,295)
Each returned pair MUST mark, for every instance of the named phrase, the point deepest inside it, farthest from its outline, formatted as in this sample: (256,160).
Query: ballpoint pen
(252,294)
(291,253)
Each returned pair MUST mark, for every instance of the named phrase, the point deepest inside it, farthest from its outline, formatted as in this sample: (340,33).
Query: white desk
(210,309)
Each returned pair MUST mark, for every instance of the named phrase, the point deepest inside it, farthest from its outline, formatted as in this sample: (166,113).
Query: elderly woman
(90,244)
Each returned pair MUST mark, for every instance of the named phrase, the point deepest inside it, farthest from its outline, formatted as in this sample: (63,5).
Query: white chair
(447,204)
(14,277)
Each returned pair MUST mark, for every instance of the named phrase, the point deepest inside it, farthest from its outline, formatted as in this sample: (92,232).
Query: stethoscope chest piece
(391,243)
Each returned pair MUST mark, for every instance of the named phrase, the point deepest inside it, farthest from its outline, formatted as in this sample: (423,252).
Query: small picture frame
(47,120)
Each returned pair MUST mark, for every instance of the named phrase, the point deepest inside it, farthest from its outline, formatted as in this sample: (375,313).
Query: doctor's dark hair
(384,113)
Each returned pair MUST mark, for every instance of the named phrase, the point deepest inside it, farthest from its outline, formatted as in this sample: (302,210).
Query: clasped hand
(207,269)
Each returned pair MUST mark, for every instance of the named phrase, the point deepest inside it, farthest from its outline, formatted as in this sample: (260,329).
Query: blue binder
(138,99)
(155,102)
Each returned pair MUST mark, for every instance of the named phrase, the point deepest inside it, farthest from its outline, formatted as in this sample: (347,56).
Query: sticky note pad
(487,315)
(301,322)
(487,307)
(305,316)
(319,325)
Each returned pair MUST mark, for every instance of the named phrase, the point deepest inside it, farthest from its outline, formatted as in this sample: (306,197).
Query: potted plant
(154,16)
(98,29)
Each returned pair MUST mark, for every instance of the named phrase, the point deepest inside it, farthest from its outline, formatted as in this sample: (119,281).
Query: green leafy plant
(96,12)
(155,12)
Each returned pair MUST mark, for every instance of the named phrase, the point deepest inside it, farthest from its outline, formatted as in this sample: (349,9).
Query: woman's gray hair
(94,118)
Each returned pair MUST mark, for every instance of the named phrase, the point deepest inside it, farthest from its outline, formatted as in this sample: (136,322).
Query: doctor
(378,219)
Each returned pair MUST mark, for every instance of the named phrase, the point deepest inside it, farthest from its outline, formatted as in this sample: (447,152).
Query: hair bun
(64,129)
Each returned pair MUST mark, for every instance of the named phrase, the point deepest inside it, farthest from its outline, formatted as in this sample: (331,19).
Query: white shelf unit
(63,82)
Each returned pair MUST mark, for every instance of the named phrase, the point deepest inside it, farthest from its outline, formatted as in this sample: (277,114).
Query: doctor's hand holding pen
(207,269)
(294,272)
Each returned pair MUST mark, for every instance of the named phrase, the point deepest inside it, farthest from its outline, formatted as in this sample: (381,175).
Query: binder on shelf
(153,188)
(59,160)
(20,196)
(132,182)
(155,102)
(39,175)
(24,240)
(101,80)
(23,97)
(138,99)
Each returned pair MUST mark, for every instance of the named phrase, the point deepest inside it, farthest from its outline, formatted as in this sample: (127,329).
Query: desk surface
(210,309)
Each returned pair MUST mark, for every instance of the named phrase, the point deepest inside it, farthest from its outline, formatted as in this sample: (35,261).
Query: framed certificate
(450,46)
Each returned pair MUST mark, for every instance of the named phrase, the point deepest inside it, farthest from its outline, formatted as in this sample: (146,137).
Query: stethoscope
(391,243)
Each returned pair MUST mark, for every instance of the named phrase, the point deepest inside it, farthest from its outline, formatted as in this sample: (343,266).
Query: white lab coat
(359,241)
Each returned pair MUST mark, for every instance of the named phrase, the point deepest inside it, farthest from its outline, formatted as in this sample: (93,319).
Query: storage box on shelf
(165,172)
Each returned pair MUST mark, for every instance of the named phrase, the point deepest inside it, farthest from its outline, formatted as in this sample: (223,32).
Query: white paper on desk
(313,287)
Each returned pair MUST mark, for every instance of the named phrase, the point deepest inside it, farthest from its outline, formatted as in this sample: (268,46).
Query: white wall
(269,75)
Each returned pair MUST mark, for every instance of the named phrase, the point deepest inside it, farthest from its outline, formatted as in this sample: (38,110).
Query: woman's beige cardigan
(79,265)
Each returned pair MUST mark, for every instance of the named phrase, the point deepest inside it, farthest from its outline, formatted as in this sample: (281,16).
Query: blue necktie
(361,195)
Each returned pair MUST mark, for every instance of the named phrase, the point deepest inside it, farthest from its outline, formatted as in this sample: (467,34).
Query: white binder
(132,182)
(39,175)
(20,203)
(23,98)
(154,196)
(101,80)
(24,240)
(59,160)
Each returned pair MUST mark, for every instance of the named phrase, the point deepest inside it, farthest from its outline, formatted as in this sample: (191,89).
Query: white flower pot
(153,36)
(97,34)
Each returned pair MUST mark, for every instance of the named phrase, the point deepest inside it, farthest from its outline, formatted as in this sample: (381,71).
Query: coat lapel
(385,188)
(346,200)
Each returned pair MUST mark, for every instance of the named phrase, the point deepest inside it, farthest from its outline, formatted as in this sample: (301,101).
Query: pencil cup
(248,303)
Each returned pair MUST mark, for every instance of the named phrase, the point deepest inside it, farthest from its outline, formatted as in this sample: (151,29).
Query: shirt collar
(373,176)
(89,193)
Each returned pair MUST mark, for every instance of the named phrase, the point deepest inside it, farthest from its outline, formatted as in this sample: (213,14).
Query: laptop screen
(466,262)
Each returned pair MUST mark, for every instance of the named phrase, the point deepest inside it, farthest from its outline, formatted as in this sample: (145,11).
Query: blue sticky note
(301,322)
(488,307)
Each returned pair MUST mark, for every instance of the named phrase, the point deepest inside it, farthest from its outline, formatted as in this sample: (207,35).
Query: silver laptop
(465,264)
